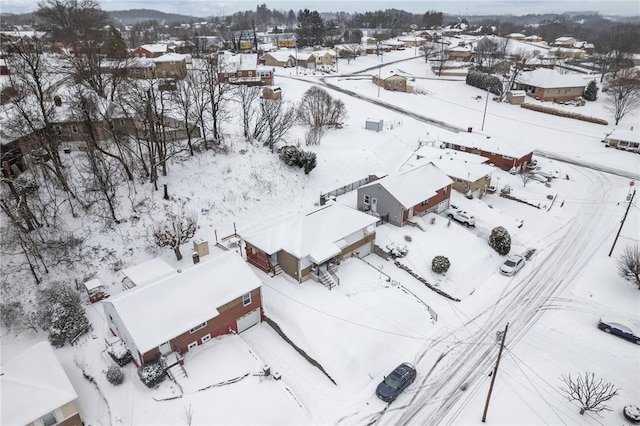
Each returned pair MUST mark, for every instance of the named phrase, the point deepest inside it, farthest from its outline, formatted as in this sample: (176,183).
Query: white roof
(281,55)
(433,153)
(415,185)
(463,170)
(310,233)
(93,284)
(148,271)
(168,57)
(624,135)
(320,53)
(549,79)
(160,311)
(155,48)
(230,62)
(33,384)
(489,144)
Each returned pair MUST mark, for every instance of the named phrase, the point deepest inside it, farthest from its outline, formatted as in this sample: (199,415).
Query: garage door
(248,320)
(364,250)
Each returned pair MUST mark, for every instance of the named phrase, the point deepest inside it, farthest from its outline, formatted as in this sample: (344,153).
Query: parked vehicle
(619,330)
(548,175)
(538,177)
(393,384)
(512,265)
(461,216)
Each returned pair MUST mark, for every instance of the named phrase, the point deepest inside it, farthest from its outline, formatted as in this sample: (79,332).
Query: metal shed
(375,125)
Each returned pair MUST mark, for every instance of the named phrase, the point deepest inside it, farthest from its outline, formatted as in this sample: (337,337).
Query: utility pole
(485,109)
(495,372)
(622,223)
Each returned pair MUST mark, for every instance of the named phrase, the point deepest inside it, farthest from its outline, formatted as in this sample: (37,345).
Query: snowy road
(442,397)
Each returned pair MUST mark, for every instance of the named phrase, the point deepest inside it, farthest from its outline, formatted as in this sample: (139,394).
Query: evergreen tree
(591,92)
(311,28)
(500,240)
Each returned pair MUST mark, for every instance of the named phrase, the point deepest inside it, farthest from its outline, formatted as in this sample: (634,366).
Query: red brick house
(243,68)
(305,246)
(400,197)
(499,152)
(549,85)
(151,50)
(185,309)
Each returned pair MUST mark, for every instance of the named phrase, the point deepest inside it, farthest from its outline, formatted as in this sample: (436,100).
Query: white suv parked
(461,216)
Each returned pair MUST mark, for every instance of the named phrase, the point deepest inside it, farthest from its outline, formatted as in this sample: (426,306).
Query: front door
(374,205)
(165,348)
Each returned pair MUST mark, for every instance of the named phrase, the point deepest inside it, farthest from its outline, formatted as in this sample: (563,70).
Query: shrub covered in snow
(397,250)
(62,315)
(632,413)
(151,373)
(500,240)
(115,376)
(119,353)
(440,264)
(294,156)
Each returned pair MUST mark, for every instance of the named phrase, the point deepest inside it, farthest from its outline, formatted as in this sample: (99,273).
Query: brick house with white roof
(305,246)
(400,197)
(243,68)
(549,85)
(151,50)
(499,152)
(185,309)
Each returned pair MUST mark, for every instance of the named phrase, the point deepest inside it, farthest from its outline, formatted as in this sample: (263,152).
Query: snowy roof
(92,284)
(230,62)
(433,153)
(282,55)
(415,185)
(392,42)
(160,311)
(155,48)
(410,39)
(320,53)
(489,144)
(148,271)
(624,135)
(309,233)
(463,170)
(549,79)
(168,57)
(33,384)
(516,35)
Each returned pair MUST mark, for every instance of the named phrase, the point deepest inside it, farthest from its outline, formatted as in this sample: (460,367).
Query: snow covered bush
(591,92)
(500,240)
(632,413)
(629,264)
(119,353)
(151,373)
(440,264)
(397,250)
(294,156)
(115,376)
(62,315)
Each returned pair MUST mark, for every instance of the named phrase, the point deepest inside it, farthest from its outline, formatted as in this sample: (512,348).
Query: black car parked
(393,384)
(619,330)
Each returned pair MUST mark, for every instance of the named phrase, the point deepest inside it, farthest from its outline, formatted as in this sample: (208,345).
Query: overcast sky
(457,7)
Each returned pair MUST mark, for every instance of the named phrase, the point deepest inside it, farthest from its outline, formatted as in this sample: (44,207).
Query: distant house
(178,312)
(279,58)
(242,68)
(304,246)
(564,41)
(412,41)
(393,44)
(400,197)
(499,152)
(171,65)
(37,391)
(151,50)
(394,82)
(459,53)
(271,92)
(549,85)
(628,140)
(305,60)
(516,36)
(567,52)
(324,56)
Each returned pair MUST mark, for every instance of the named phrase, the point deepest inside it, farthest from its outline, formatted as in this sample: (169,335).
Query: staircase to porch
(418,223)
(275,270)
(327,280)
(176,372)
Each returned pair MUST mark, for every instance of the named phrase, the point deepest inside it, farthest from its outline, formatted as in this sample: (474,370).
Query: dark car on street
(393,384)
(619,330)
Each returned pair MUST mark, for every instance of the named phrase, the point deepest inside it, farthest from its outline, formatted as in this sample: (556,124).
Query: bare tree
(623,93)
(616,45)
(590,393)
(246,97)
(180,227)
(318,109)
(189,106)
(629,264)
(525,176)
(187,415)
(278,118)
(218,93)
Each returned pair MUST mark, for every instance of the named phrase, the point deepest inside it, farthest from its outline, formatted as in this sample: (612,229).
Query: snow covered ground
(380,316)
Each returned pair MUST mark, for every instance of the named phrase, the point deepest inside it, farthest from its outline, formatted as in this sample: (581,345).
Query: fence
(344,189)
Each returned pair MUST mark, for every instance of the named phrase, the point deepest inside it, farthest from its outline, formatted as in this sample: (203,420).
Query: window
(424,203)
(49,419)
(250,73)
(246,299)
(206,338)
(198,327)
(506,157)
(367,199)
(74,128)
(192,345)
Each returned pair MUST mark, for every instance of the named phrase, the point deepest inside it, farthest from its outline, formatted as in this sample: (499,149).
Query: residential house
(567,52)
(564,41)
(171,65)
(428,35)
(279,58)
(628,140)
(242,68)
(271,92)
(394,82)
(147,272)
(151,50)
(516,36)
(306,60)
(309,245)
(187,308)
(499,152)
(549,85)
(37,391)
(324,57)
(398,198)
(459,53)
(393,44)
(533,39)
(412,41)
